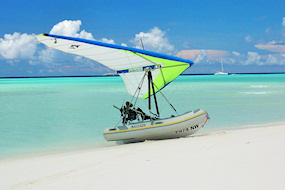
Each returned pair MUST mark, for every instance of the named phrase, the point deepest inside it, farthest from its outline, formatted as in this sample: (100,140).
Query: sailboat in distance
(221,72)
(144,74)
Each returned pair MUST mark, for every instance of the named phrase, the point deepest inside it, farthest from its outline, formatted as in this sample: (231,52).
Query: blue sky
(248,35)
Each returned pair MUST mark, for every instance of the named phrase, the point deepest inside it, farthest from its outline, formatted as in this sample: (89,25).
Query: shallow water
(39,114)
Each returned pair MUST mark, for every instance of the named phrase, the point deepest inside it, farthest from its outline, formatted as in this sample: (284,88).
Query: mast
(142,44)
(222,64)
(151,86)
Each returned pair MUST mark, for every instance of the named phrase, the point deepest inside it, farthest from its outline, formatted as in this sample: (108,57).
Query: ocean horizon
(59,113)
(117,75)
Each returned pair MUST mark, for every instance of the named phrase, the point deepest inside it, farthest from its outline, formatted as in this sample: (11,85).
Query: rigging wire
(131,65)
(165,98)
(138,89)
(162,75)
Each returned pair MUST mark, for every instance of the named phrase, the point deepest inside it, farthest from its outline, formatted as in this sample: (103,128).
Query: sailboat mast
(222,64)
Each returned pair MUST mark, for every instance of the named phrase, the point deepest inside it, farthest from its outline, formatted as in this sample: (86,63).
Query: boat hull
(172,127)
(221,73)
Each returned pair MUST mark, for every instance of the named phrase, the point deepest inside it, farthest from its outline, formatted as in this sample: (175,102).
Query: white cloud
(66,28)
(283,21)
(70,28)
(200,55)
(18,46)
(268,30)
(275,59)
(153,40)
(47,55)
(188,54)
(105,40)
(273,46)
(248,39)
(85,35)
(235,53)
(271,59)
(252,58)
(234,57)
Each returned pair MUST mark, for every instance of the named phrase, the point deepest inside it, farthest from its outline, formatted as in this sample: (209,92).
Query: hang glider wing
(129,63)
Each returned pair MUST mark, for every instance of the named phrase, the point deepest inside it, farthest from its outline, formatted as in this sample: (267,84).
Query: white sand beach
(249,158)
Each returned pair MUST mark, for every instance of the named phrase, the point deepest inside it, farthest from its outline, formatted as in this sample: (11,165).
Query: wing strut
(151,86)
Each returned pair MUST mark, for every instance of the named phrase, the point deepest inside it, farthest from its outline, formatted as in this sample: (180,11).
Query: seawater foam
(259,86)
(258,93)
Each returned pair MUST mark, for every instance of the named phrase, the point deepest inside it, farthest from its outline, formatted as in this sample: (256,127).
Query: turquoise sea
(51,114)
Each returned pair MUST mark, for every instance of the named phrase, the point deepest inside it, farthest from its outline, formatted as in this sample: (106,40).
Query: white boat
(167,128)
(221,72)
(144,73)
